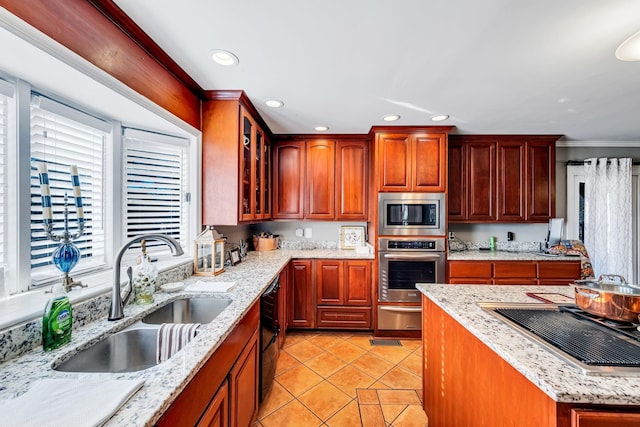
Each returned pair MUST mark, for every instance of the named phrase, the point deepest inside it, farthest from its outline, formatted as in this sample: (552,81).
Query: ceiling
(494,66)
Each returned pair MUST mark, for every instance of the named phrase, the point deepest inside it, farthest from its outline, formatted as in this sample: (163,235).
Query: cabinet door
(217,413)
(603,418)
(351,180)
(394,162)
(288,185)
(243,388)
(511,181)
(558,272)
(457,188)
(266,179)
(320,194)
(481,181)
(541,180)
(283,305)
(330,282)
(429,160)
(301,295)
(358,282)
(247,165)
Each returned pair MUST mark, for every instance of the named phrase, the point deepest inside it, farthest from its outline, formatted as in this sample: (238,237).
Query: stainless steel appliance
(269,330)
(403,262)
(596,345)
(411,214)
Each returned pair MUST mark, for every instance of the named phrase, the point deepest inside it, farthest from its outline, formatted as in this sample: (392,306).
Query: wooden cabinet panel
(289,175)
(330,282)
(217,413)
(457,195)
(541,187)
(470,281)
(470,269)
(513,272)
(511,181)
(603,418)
(503,269)
(394,162)
(351,180)
(320,169)
(344,317)
(559,269)
(301,295)
(481,181)
(429,156)
(358,283)
(243,386)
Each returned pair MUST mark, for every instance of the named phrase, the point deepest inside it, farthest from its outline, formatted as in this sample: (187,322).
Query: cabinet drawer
(344,317)
(511,269)
(515,281)
(602,418)
(559,270)
(478,269)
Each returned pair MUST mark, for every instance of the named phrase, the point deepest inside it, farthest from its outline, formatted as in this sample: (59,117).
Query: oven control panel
(412,244)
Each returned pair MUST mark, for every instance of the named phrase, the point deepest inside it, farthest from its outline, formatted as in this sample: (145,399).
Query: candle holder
(66,256)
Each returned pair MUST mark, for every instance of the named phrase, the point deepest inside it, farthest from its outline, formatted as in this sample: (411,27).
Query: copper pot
(612,300)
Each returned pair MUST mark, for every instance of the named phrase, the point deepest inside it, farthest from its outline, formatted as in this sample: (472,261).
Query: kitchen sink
(125,351)
(188,310)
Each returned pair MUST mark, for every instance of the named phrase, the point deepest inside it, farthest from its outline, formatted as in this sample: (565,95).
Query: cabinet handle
(400,309)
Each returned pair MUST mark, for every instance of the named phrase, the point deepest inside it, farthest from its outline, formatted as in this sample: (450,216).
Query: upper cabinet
(411,159)
(323,179)
(236,161)
(501,178)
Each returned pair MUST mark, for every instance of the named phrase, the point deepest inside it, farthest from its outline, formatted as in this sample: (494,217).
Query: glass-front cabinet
(254,171)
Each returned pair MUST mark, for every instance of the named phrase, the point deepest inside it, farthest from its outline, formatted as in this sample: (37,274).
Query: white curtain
(608,216)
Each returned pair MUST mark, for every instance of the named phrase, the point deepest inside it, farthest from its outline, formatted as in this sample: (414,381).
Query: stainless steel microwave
(411,214)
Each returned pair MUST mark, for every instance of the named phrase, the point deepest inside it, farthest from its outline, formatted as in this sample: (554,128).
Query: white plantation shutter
(156,186)
(62,136)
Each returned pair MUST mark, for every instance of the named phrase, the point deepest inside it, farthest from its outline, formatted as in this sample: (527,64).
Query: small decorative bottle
(144,278)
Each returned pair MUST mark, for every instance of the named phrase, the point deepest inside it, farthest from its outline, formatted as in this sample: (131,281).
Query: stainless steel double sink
(135,348)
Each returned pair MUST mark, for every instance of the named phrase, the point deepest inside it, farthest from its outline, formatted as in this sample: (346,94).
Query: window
(61,137)
(5,90)
(155,187)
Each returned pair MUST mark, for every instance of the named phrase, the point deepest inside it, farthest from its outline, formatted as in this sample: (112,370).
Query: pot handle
(588,293)
(612,278)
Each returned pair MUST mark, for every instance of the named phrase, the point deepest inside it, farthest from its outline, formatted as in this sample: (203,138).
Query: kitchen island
(480,371)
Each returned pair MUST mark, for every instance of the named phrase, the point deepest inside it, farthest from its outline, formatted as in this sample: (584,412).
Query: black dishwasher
(269,330)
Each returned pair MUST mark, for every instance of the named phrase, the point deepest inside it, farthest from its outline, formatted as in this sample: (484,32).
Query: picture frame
(234,255)
(352,237)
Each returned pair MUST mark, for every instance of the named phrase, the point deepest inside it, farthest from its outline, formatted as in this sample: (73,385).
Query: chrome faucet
(117,302)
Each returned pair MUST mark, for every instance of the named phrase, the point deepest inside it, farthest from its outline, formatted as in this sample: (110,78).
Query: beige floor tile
(298,380)
(361,340)
(411,345)
(349,416)
(419,391)
(371,416)
(326,340)
(348,379)
(378,386)
(391,412)
(293,338)
(398,378)
(372,365)
(408,397)
(325,364)
(412,363)
(324,400)
(367,396)
(285,362)
(346,351)
(392,354)
(293,414)
(275,399)
(413,416)
(304,351)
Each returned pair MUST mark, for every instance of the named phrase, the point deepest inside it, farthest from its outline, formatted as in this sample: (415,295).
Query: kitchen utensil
(610,297)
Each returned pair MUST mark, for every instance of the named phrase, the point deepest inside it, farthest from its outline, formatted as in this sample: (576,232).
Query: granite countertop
(164,382)
(499,255)
(559,379)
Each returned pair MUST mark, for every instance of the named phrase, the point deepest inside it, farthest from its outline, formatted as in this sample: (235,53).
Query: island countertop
(164,382)
(500,255)
(557,378)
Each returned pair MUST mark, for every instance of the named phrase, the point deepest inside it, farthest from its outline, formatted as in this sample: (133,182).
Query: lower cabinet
(301,298)
(603,418)
(225,390)
(513,272)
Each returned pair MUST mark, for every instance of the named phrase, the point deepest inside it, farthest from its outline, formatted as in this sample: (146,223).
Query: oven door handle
(413,256)
(400,309)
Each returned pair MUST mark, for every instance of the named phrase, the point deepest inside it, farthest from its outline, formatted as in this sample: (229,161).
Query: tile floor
(341,380)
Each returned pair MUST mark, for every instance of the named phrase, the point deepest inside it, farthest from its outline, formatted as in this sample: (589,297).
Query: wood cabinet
(501,178)
(217,413)
(236,161)
(243,385)
(603,418)
(513,272)
(301,295)
(320,179)
(411,159)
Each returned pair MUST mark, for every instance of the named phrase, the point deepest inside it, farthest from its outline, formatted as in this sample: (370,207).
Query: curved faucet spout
(116,311)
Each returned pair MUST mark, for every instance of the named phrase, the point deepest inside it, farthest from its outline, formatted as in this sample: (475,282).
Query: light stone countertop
(559,379)
(164,382)
(475,255)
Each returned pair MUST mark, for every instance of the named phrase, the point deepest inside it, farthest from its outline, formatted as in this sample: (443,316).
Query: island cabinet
(236,161)
(344,294)
(513,272)
(458,367)
(411,159)
(320,179)
(225,390)
(501,178)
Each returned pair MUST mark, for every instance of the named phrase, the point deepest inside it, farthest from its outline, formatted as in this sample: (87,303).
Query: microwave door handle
(413,256)
(400,309)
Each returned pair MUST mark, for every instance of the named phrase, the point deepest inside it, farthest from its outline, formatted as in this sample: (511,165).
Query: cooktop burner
(594,344)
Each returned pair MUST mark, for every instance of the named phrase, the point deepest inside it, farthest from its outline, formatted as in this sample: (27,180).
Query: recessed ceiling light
(322,128)
(629,50)
(439,117)
(274,103)
(391,117)
(224,57)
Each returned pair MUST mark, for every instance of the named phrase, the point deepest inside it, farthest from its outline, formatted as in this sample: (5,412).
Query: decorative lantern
(208,254)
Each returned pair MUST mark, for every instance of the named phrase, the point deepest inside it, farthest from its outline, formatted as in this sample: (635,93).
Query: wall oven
(411,214)
(403,262)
